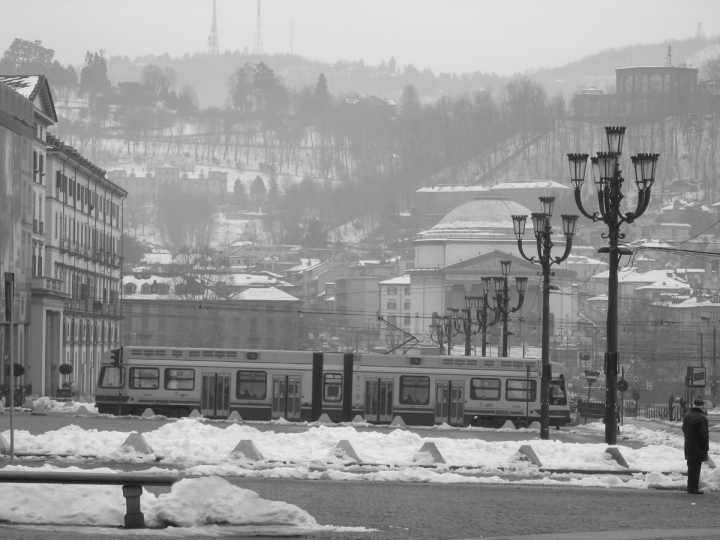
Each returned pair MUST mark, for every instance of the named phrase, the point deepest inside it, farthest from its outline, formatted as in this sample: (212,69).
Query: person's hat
(698,402)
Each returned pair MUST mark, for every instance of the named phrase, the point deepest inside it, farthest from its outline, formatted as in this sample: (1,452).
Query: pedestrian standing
(670,406)
(677,411)
(697,444)
(683,407)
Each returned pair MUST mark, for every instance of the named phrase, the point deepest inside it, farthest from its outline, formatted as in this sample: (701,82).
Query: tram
(303,385)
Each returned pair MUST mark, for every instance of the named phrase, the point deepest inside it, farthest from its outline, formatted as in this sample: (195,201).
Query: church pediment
(490,262)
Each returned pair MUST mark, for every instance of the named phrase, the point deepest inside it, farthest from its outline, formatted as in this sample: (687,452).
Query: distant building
(433,203)
(646,94)
(147,187)
(158,313)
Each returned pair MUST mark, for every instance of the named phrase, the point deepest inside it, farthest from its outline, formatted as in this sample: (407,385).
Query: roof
(399,280)
(668,284)
(445,188)
(532,184)
(636,275)
(266,293)
(482,216)
(30,87)
(305,264)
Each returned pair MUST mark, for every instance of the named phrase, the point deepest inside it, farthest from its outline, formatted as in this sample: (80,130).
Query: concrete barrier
(528,451)
(248,449)
(324,419)
(82,409)
(535,425)
(358,419)
(508,424)
(147,413)
(398,421)
(39,410)
(430,448)
(350,452)
(195,414)
(234,417)
(138,443)
(4,445)
(617,456)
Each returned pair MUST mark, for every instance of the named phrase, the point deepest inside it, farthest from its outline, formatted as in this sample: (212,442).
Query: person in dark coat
(697,444)
(683,407)
(670,406)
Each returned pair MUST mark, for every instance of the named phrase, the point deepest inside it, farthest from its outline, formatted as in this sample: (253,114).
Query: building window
(179,379)
(485,389)
(251,385)
(392,305)
(414,390)
(392,290)
(407,290)
(392,319)
(332,387)
(406,320)
(517,390)
(407,305)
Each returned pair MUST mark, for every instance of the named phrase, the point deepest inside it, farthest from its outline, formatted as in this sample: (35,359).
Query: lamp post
(443,329)
(608,181)
(502,299)
(481,306)
(543,238)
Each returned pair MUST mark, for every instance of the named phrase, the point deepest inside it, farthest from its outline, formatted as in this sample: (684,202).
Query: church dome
(485,216)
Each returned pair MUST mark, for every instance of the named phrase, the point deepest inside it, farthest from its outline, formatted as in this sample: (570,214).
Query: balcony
(49,285)
(64,244)
(93,306)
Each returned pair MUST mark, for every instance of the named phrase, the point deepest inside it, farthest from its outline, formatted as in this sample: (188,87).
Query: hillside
(209,75)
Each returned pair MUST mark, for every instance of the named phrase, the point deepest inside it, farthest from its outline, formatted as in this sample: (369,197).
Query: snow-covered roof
(448,188)
(305,264)
(25,85)
(530,184)
(683,225)
(636,275)
(252,280)
(266,293)
(668,284)
(399,280)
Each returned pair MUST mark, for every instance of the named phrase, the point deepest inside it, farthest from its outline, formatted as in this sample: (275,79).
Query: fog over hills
(209,74)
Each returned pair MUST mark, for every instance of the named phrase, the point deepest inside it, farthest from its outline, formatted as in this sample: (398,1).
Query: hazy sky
(504,36)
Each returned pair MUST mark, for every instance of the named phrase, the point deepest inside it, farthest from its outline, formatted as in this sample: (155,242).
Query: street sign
(697,377)
(622,385)
(636,378)
(648,385)
(591,376)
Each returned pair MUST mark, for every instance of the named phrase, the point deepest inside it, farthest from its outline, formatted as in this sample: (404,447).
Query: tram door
(215,400)
(379,400)
(286,396)
(449,402)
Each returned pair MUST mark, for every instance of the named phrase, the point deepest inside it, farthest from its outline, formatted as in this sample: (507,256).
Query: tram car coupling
(303,385)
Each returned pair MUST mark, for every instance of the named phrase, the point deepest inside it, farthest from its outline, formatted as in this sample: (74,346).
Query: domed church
(467,245)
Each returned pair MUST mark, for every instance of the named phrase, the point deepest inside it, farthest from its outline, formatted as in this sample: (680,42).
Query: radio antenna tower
(258,49)
(214,47)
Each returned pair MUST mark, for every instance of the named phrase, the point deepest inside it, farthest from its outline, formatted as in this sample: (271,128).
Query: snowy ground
(201,452)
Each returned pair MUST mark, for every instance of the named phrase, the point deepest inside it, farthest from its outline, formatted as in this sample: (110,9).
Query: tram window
(557,393)
(332,387)
(111,377)
(251,385)
(145,378)
(414,390)
(179,379)
(517,390)
(486,389)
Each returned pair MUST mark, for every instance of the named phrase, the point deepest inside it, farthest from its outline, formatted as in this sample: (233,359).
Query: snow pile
(64,406)
(212,500)
(191,503)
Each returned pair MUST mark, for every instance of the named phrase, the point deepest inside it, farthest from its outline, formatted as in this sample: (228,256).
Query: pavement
(412,511)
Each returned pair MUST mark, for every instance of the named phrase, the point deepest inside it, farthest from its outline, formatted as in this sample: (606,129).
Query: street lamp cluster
(474,318)
(608,181)
(543,238)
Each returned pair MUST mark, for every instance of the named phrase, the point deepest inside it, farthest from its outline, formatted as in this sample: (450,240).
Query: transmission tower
(213,39)
(258,49)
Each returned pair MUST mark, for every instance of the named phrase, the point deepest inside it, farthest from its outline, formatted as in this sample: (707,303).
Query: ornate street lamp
(608,181)
(444,328)
(543,237)
(502,300)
